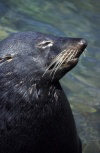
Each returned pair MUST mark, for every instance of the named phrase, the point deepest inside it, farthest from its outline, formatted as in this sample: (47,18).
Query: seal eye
(8,58)
(45,44)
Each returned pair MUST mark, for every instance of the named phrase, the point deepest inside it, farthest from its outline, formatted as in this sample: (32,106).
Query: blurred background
(73,18)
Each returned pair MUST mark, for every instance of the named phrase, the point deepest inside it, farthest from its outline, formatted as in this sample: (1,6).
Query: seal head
(51,56)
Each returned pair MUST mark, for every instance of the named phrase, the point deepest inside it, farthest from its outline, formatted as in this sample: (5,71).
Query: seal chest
(35,115)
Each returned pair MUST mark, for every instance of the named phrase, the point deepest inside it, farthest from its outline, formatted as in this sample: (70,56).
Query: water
(74,18)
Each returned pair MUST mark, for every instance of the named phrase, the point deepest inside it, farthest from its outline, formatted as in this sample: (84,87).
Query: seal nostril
(83,42)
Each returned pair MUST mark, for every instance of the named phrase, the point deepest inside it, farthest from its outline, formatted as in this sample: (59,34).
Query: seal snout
(83,42)
(80,45)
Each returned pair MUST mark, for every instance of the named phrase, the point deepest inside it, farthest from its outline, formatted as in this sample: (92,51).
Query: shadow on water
(74,18)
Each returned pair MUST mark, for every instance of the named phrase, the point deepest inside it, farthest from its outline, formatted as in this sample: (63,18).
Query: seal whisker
(69,54)
(84,53)
(58,64)
(62,60)
(59,60)
(60,57)
(53,62)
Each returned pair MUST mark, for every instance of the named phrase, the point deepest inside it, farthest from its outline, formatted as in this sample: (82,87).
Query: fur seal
(35,115)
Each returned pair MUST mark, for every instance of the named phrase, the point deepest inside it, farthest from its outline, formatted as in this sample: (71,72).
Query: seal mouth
(67,59)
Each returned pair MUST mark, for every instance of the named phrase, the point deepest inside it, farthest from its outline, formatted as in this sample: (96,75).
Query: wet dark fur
(35,115)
